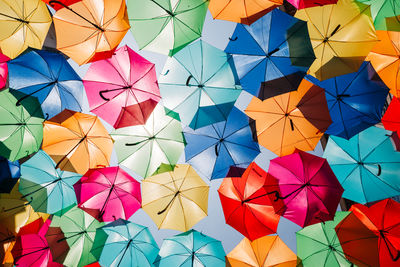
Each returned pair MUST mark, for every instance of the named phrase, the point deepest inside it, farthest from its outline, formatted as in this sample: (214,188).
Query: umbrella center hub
(221,140)
(332,248)
(360,163)
(326,39)
(286,114)
(152,137)
(200,85)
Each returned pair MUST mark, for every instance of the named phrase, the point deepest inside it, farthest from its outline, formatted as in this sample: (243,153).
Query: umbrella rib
(311,22)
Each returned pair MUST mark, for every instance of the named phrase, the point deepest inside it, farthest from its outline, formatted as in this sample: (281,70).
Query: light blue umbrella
(367,165)
(123,243)
(191,248)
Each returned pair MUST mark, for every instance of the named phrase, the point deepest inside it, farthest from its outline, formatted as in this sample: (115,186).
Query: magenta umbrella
(127,84)
(3,70)
(108,194)
(303,188)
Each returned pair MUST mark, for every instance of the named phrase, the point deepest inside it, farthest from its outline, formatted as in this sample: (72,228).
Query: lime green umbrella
(385,14)
(21,128)
(318,244)
(166,26)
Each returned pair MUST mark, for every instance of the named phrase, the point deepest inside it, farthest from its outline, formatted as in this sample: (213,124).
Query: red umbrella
(383,219)
(246,205)
(303,188)
(391,119)
(127,84)
(108,194)
(57,6)
(300,4)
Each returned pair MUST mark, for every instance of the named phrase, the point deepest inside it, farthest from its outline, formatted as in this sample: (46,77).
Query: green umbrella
(384,14)
(318,244)
(166,26)
(143,148)
(21,128)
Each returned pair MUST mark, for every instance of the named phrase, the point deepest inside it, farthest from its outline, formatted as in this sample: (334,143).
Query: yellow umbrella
(23,24)
(177,199)
(342,36)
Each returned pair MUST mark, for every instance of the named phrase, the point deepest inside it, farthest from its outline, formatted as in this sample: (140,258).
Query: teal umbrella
(191,248)
(49,190)
(123,243)
(367,165)
(199,85)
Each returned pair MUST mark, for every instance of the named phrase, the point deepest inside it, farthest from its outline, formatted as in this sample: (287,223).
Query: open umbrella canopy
(50,78)
(300,4)
(77,141)
(295,120)
(391,118)
(57,6)
(23,24)
(143,148)
(246,205)
(355,101)
(330,27)
(21,128)
(49,190)
(318,244)
(274,53)
(221,145)
(7,241)
(199,84)
(3,70)
(262,252)
(90,30)
(191,248)
(108,194)
(381,11)
(125,83)
(177,199)
(366,165)
(166,26)
(124,243)
(303,188)
(9,174)
(242,11)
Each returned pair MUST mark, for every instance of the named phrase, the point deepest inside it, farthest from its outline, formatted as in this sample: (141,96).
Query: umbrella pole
(167,11)
(14,18)
(10,238)
(65,156)
(42,187)
(102,210)
(31,253)
(17,207)
(28,95)
(65,238)
(277,196)
(123,254)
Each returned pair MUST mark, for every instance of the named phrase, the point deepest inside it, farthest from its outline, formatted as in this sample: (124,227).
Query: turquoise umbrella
(367,165)
(123,243)
(49,190)
(191,248)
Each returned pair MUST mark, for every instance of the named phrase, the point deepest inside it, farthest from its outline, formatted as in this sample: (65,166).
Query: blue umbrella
(355,100)
(123,243)
(9,174)
(50,78)
(367,165)
(191,248)
(221,145)
(273,54)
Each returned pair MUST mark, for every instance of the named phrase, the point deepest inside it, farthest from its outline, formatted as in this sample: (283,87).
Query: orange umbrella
(385,58)
(242,11)
(90,30)
(291,121)
(262,252)
(7,241)
(77,142)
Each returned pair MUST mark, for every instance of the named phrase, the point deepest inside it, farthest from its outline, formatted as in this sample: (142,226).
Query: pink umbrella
(303,188)
(3,70)
(126,84)
(108,194)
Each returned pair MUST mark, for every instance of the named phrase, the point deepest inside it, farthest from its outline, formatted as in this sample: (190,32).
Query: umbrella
(355,101)
(108,194)
(23,24)
(9,174)
(49,190)
(391,118)
(300,4)
(366,165)
(125,83)
(7,241)
(242,11)
(291,121)
(221,145)
(199,84)
(330,27)
(383,218)
(78,228)
(318,244)
(90,30)
(191,249)
(303,188)
(245,203)
(123,243)
(381,11)
(177,199)
(50,78)
(262,252)
(274,52)
(143,148)
(21,128)
(56,6)
(3,70)
(385,58)
(166,26)
(77,141)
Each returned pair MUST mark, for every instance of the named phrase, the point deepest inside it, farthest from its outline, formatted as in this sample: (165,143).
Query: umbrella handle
(291,124)
(379,170)
(216,149)
(234,39)
(102,96)
(188,80)
(163,74)
(47,117)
